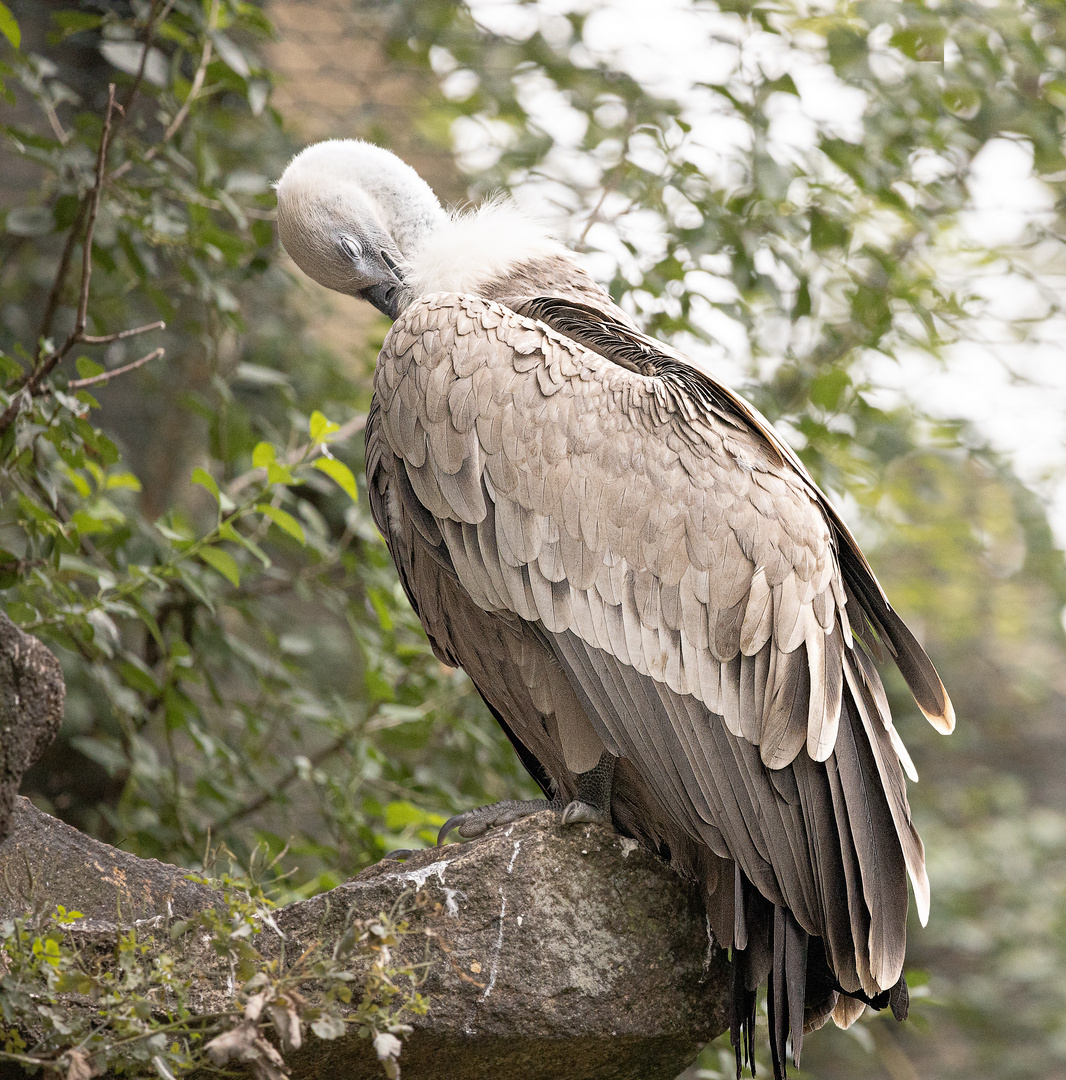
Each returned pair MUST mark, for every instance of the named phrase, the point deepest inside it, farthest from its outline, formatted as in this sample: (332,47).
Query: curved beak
(385,296)
(381,268)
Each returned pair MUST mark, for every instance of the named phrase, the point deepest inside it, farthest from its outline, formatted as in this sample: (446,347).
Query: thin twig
(183,112)
(107,376)
(106,339)
(64,265)
(75,229)
(345,431)
(149,36)
(33,382)
(609,183)
(94,209)
(198,78)
(53,119)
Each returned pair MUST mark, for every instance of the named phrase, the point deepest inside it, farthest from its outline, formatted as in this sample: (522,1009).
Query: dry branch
(107,376)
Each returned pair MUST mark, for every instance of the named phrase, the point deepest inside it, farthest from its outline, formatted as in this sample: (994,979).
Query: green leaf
(321,427)
(136,675)
(10,368)
(280,474)
(9,569)
(283,520)
(87,368)
(81,485)
(401,813)
(8,26)
(828,388)
(263,455)
(223,562)
(924,42)
(783,85)
(74,22)
(89,525)
(231,55)
(802,306)
(123,480)
(206,480)
(339,472)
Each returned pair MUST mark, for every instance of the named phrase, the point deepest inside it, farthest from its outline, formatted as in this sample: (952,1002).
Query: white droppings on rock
(628,846)
(514,855)
(451,907)
(497,949)
(519,920)
(419,877)
(267,918)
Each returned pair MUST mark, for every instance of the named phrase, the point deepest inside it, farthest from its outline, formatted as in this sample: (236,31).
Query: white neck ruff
(475,247)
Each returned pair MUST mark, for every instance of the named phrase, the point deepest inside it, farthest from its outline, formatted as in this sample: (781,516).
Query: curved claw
(580,812)
(398,853)
(454,821)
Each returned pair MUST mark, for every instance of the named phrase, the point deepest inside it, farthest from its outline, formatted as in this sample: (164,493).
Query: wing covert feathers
(653,570)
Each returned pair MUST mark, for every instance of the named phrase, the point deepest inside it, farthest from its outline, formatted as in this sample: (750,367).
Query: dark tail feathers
(801,991)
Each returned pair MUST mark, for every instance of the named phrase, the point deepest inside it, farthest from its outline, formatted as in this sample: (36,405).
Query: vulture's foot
(592,806)
(477,822)
(593,803)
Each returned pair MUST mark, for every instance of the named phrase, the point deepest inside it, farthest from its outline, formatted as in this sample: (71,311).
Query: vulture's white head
(359,220)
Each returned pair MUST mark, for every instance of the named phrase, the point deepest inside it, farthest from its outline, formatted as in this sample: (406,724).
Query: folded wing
(678,564)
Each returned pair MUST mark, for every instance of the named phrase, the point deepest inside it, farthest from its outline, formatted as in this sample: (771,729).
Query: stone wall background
(336,80)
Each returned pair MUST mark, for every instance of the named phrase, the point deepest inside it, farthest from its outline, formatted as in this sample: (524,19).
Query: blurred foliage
(239,655)
(74,1008)
(239,658)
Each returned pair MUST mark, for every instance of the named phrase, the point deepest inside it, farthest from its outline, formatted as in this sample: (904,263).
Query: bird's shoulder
(557,385)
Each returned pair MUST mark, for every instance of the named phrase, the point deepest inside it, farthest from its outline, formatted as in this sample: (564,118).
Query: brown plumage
(563,495)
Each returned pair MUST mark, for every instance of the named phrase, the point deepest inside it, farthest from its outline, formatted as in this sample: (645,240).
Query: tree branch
(64,265)
(194,90)
(267,797)
(107,376)
(33,382)
(154,18)
(106,339)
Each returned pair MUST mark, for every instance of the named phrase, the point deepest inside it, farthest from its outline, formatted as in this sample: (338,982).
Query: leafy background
(239,657)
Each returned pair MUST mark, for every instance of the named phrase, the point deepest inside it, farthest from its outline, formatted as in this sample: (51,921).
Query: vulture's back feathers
(566,494)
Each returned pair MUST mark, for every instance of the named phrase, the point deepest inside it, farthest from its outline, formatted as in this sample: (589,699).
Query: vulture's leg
(593,802)
(477,822)
(593,805)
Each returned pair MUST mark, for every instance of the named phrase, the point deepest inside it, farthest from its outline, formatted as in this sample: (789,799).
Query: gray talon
(579,812)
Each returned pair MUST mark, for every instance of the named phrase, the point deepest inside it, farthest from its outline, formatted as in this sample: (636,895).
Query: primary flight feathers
(626,558)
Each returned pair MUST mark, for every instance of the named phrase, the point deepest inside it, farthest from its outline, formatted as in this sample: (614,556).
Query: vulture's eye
(351,247)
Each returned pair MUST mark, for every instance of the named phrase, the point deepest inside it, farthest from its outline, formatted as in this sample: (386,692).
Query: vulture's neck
(474,250)
(342,190)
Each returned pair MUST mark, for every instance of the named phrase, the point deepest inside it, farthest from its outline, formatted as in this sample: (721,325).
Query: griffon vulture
(669,620)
